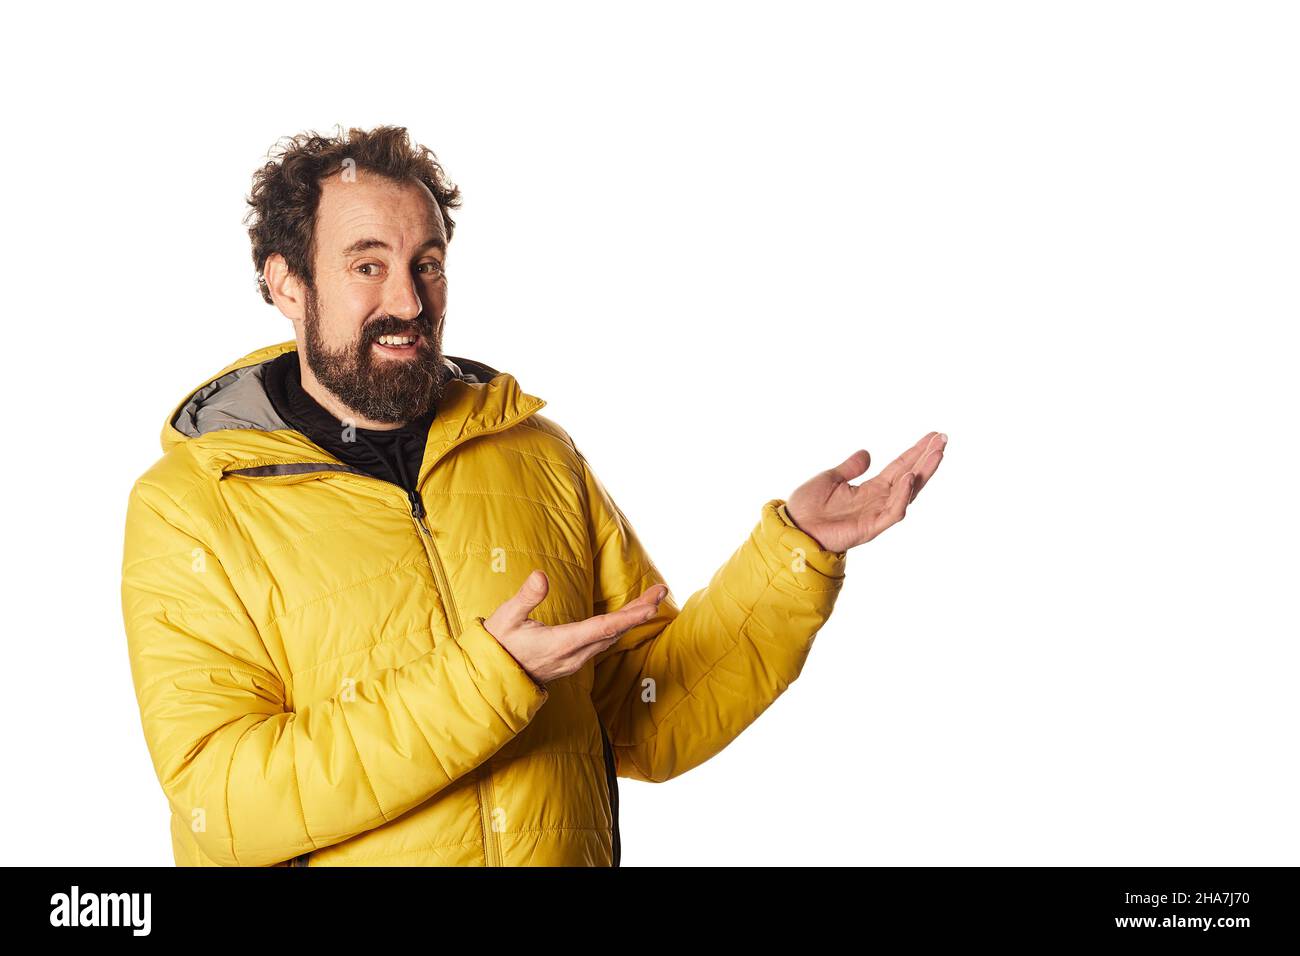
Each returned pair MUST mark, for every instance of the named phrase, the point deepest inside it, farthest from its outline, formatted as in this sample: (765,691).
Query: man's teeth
(397,339)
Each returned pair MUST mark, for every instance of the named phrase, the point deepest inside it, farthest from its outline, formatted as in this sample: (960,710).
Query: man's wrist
(784,514)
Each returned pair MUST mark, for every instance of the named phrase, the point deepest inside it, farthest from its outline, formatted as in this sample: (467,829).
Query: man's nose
(401,299)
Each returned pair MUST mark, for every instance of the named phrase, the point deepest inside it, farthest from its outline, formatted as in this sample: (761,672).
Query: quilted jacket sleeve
(257,783)
(675,690)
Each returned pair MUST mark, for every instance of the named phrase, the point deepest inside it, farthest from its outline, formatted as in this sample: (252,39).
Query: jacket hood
(228,418)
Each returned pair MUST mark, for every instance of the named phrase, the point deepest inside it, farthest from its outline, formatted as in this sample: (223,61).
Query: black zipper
(611,778)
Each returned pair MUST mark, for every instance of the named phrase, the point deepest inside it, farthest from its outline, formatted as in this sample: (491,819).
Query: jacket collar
(229,423)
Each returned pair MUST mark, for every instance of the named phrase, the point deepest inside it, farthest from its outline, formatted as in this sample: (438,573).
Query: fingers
(531,593)
(651,595)
(601,630)
(908,459)
(929,464)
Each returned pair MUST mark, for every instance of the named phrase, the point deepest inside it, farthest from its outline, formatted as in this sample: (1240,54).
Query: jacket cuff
(799,550)
(518,693)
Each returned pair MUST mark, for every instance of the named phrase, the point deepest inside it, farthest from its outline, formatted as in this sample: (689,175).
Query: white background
(729,244)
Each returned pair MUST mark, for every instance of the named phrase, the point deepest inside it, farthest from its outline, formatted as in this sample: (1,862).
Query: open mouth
(397,344)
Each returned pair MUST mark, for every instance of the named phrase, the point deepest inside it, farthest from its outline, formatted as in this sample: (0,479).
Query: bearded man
(380,611)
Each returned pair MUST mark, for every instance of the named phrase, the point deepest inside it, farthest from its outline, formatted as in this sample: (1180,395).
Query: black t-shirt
(392,454)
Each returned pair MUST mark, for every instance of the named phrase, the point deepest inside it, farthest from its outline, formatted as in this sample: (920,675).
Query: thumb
(856,464)
(530,594)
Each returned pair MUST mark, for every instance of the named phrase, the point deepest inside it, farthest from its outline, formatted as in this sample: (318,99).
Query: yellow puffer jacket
(315,682)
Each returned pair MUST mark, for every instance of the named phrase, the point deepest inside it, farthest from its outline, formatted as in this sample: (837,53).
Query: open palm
(840,516)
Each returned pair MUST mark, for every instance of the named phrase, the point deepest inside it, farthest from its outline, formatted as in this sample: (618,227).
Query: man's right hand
(547,653)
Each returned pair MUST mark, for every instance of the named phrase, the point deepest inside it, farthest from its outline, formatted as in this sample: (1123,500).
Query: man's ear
(287,291)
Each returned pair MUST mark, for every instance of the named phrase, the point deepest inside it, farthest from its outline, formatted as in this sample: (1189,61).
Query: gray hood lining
(237,399)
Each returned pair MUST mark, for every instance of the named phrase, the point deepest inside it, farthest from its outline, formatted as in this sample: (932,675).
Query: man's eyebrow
(361,245)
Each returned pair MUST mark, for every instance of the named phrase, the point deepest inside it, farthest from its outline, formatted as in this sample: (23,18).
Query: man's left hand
(840,516)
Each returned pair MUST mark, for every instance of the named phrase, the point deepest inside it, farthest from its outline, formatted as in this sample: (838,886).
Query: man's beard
(392,391)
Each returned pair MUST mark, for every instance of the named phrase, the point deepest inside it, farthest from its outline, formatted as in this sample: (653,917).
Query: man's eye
(369,265)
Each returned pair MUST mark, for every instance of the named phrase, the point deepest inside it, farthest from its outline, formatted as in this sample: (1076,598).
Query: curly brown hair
(286,191)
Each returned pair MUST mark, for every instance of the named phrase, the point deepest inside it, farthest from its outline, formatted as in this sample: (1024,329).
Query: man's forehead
(373,207)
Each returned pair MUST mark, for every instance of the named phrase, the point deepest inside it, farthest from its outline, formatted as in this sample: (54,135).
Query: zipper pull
(417,506)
